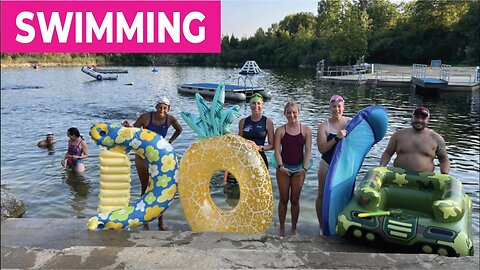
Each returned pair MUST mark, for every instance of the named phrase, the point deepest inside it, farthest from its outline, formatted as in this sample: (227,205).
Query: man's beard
(422,127)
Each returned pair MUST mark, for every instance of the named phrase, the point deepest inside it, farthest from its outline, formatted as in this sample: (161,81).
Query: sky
(243,17)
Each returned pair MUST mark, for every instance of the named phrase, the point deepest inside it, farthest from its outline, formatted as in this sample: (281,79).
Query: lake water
(34,102)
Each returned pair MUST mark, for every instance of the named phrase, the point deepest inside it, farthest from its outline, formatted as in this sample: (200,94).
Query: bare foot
(281,232)
(162,227)
(294,232)
(145,227)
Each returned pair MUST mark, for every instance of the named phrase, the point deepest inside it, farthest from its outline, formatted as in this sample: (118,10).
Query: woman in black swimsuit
(328,134)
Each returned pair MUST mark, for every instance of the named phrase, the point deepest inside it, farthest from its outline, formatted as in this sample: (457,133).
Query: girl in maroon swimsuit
(293,148)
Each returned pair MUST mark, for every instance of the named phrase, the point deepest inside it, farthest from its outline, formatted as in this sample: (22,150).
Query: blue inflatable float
(365,129)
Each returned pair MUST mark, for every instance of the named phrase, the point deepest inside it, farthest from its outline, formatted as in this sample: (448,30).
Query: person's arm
(442,155)
(139,122)
(322,143)
(178,128)
(278,142)
(142,120)
(308,148)
(84,150)
(389,151)
(63,159)
(241,126)
(270,136)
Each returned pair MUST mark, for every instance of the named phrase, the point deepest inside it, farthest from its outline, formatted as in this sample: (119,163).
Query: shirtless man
(48,142)
(416,147)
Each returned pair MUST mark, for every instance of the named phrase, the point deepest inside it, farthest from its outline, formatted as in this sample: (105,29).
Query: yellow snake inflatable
(162,169)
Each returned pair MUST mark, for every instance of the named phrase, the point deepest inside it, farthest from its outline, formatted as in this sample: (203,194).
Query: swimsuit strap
(329,128)
(151,118)
(289,133)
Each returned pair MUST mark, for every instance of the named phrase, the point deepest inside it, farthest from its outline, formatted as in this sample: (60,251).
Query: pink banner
(149,26)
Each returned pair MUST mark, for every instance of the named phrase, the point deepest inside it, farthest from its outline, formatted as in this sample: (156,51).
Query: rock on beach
(12,207)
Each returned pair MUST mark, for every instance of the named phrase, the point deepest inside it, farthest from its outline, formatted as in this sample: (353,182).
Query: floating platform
(455,84)
(428,86)
(460,81)
(97,75)
(232,92)
(429,83)
(111,70)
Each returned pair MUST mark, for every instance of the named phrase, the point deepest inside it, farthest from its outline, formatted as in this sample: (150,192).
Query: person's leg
(79,167)
(161,225)
(142,171)
(322,174)
(296,186)
(283,182)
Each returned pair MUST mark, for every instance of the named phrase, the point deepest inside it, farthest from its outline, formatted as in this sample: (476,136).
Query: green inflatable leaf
(194,122)
(217,106)
(227,118)
(212,120)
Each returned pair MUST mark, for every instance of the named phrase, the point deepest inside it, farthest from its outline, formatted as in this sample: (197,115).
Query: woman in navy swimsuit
(328,134)
(255,128)
(158,121)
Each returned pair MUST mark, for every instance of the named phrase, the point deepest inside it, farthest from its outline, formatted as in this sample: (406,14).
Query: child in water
(77,151)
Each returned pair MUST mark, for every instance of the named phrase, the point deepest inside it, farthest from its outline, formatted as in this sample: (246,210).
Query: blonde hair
(291,104)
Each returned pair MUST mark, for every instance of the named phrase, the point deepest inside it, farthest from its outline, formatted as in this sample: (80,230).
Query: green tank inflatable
(422,211)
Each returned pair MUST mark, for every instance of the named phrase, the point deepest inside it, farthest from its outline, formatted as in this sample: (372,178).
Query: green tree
(328,18)
(350,42)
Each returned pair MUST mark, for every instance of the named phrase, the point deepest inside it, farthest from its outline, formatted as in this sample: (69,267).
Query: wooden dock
(392,76)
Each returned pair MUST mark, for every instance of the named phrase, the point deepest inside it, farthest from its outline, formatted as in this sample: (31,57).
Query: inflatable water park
(241,91)
(422,212)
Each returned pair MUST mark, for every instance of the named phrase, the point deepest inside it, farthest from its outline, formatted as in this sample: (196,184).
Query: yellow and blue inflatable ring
(162,167)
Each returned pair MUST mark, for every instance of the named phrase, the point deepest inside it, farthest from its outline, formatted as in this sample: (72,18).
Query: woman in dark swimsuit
(293,148)
(158,121)
(328,134)
(255,128)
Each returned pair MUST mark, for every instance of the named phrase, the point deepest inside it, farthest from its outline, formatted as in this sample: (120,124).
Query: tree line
(343,31)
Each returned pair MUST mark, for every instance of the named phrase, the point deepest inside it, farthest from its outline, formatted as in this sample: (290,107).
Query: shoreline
(383,68)
(61,243)
(42,65)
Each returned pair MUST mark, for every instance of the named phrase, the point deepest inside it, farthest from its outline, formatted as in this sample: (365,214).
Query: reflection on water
(80,187)
(224,195)
(59,98)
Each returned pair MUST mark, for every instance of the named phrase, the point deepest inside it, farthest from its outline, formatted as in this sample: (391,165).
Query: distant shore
(30,65)
(383,68)
(49,60)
